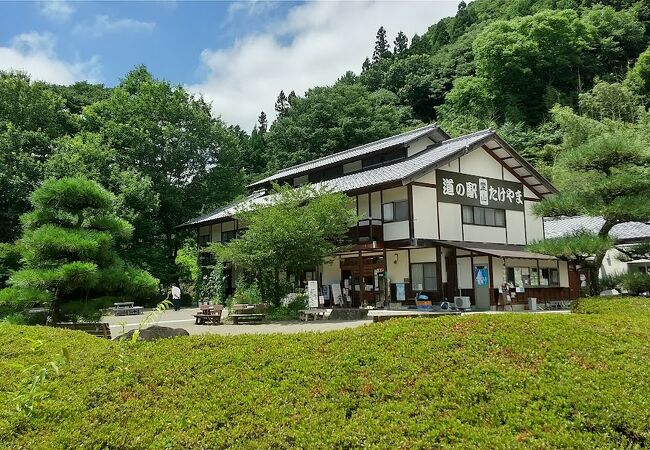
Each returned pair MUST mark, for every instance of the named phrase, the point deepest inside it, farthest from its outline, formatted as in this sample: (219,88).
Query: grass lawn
(490,381)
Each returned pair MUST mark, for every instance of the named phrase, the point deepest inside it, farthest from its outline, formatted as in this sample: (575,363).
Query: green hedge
(488,381)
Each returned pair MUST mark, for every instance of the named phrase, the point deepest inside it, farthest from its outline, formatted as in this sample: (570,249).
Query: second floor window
(396,211)
(204,240)
(476,215)
(228,236)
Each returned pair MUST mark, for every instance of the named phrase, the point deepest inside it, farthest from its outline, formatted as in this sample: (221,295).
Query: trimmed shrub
(474,381)
(636,283)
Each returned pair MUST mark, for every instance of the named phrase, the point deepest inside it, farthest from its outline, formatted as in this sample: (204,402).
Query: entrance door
(481,287)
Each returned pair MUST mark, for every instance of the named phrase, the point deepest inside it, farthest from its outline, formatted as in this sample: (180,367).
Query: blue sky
(237,54)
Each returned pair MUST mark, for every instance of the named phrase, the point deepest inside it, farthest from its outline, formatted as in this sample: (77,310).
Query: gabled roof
(403,172)
(354,153)
(561,226)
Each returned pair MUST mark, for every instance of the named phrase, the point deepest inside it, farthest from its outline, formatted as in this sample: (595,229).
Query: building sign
(471,190)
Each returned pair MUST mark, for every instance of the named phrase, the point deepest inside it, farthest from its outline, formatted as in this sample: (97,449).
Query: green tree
(87,155)
(69,249)
(607,175)
(281,104)
(191,158)
(330,119)
(639,76)
(300,230)
(382,47)
(401,43)
(31,117)
(613,101)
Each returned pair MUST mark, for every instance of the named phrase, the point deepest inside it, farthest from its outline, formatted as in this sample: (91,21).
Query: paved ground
(183,319)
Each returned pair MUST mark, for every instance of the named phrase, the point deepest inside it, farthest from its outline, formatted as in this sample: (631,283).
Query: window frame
(481,211)
(394,210)
(434,278)
(224,233)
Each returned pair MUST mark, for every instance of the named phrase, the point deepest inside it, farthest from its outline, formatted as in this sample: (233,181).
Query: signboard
(471,190)
(481,277)
(400,292)
(312,289)
(336,294)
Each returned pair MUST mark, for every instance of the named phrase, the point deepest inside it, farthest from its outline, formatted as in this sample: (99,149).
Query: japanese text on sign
(479,191)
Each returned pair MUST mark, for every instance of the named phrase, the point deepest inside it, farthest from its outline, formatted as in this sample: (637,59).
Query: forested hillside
(168,157)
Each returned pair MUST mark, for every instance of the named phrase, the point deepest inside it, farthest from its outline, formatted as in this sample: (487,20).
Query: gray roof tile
(557,227)
(356,152)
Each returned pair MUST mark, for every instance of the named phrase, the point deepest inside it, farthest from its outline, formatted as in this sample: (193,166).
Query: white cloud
(34,53)
(59,10)
(104,24)
(313,45)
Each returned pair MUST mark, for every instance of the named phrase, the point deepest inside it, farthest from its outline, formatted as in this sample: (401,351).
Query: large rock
(155,332)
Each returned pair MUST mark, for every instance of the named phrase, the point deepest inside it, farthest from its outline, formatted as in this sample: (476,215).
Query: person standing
(176,297)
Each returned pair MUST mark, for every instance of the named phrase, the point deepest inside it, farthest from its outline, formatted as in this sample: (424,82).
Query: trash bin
(532,304)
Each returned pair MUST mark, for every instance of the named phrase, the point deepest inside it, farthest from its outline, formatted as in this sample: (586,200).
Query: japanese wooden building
(444,216)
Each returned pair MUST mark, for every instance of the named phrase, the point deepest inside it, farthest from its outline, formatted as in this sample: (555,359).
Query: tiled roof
(399,171)
(407,167)
(557,227)
(356,152)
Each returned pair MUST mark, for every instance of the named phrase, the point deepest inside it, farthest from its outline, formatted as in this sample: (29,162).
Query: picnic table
(248,313)
(315,313)
(126,308)
(208,314)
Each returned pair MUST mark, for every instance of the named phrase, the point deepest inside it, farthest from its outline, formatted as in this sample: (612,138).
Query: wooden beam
(515,174)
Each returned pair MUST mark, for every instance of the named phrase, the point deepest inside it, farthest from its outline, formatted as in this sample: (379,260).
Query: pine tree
(262,123)
(366,65)
(291,99)
(281,104)
(401,43)
(382,48)
(69,250)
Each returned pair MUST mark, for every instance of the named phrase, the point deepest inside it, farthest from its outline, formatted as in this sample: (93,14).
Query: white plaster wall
(515,226)
(510,177)
(419,145)
(363,206)
(534,224)
(497,271)
(528,193)
(397,265)
(611,264)
(423,255)
(331,271)
(395,194)
(429,177)
(480,163)
(464,266)
(451,166)
(564,273)
(396,230)
(450,222)
(216,232)
(478,233)
(425,223)
(375,203)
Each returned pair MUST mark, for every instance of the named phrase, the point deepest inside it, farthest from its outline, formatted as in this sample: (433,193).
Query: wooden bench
(99,329)
(209,314)
(305,314)
(252,317)
(126,309)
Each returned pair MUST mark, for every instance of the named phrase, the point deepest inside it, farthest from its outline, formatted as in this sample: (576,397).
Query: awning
(500,250)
